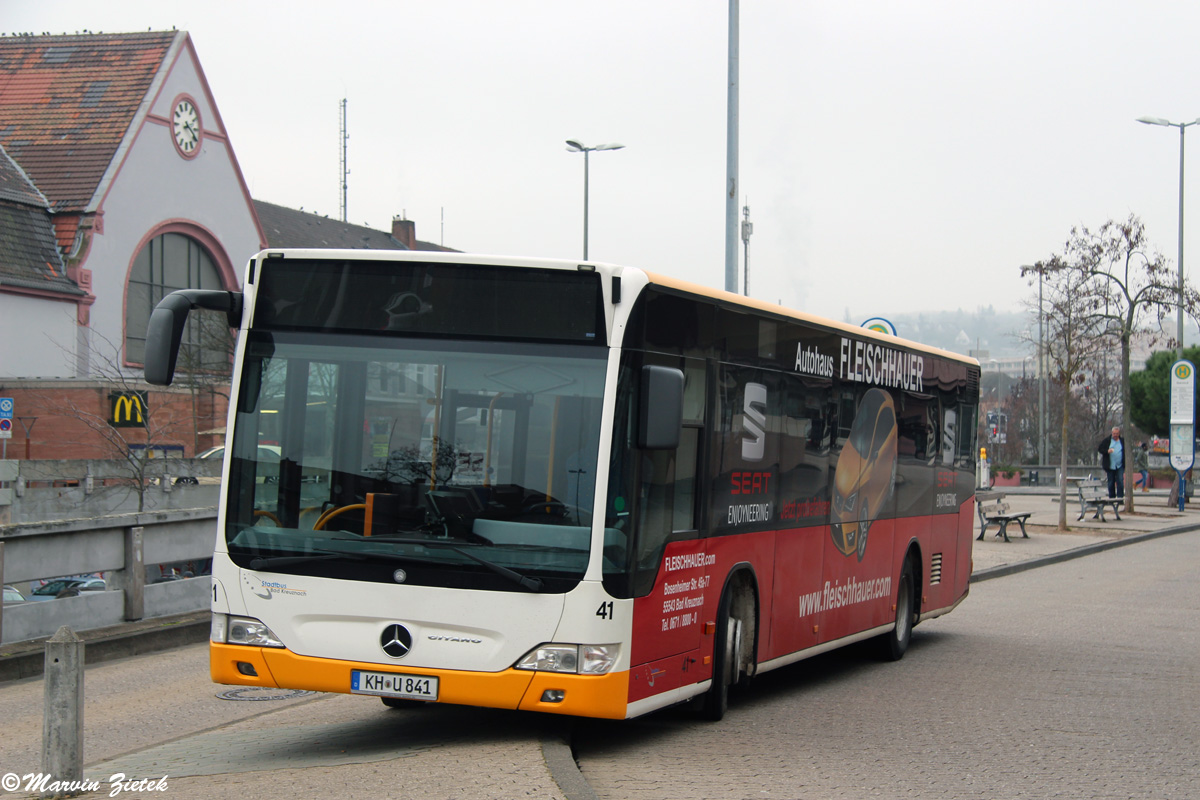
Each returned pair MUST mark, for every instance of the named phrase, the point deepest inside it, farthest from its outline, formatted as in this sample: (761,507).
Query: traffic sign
(6,407)
(1183,393)
(5,428)
(1183,414)
(1183,420)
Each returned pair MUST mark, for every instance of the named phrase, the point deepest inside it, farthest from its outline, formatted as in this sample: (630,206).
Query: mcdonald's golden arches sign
(127,409)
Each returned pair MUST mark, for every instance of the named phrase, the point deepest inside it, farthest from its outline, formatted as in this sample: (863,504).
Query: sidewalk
(993,556)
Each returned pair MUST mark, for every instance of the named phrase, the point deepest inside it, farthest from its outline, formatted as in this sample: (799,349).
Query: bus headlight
(242,630)
(580,659)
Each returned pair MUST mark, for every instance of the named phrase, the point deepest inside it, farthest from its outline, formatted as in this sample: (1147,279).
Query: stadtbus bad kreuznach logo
(127,409)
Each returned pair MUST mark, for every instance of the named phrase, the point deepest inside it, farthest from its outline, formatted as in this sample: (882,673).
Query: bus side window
(687,457)
(805,453)
(664,506)
(655,505)
(685,480)
(847,407)
(668,479)
(915,428)
(967,422)
(746,442)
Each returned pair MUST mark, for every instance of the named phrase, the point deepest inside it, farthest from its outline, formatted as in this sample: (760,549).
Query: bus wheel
(895,643)
(725,657)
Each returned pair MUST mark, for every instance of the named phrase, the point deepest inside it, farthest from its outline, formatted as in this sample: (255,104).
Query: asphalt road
(1078,680)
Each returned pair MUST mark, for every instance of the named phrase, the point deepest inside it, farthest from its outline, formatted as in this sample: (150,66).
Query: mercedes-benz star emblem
(396,641)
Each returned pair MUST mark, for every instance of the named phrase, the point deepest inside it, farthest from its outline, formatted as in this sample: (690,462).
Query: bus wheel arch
(735,646)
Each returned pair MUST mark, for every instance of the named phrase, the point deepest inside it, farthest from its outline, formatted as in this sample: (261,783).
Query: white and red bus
(571,488)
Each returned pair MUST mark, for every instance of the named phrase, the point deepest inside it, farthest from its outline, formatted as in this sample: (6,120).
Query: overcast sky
(895,156)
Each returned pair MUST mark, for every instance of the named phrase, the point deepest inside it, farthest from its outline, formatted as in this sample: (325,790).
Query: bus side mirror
(660,410)
(164,333)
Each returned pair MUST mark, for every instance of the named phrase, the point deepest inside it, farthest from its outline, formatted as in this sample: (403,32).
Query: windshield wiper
(258,562)
(532,584)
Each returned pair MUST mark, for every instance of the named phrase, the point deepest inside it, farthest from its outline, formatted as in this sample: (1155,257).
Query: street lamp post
(574,146)
(1182,126)
(1042,369)
(1190,436)
(1042,366)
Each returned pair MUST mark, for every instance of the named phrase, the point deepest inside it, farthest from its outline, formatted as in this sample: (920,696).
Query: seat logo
(396,641)
(754,421)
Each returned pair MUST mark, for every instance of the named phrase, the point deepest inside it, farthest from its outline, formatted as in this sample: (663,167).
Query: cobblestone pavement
(1076,680)
(338,745)
(354,747)
(158,715)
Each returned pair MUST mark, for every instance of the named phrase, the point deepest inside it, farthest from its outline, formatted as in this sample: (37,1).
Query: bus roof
(782,311)
(654,278)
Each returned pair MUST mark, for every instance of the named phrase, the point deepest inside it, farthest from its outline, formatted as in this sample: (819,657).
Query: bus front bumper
(603,696)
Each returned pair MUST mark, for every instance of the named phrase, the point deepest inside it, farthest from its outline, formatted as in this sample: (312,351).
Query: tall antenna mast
(344,170)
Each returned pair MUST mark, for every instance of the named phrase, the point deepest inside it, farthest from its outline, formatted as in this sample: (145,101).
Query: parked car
(68,587)
(268,456)
(11,595)
(268,453)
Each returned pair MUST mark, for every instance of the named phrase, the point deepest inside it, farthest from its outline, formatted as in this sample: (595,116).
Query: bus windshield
(465,464)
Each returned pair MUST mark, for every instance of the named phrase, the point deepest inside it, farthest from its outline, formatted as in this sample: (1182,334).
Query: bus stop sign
(1183,413)
(1183,419)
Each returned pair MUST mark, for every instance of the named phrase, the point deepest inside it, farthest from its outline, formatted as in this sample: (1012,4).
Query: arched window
(169,262)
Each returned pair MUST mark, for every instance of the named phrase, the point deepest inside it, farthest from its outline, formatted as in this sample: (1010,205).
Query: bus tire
(716,700)
(894,643)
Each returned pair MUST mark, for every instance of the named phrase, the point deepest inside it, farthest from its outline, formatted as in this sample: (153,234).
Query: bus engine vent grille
(935,569)
(972,383)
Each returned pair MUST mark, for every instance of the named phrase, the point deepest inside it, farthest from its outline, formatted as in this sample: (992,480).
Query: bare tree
(1076,332)
(126,426)
(1136,289)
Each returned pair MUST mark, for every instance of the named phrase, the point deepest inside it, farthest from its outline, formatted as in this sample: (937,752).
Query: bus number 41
(605,611)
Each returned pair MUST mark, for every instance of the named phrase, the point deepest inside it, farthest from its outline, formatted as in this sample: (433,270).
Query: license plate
(394,684)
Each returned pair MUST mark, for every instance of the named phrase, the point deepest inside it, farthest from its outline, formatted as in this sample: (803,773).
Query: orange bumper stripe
(604,696)
(585,695)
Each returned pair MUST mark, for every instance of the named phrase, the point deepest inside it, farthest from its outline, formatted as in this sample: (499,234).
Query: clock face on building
(185,126)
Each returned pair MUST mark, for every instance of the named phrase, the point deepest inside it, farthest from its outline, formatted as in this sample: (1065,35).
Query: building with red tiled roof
(118,184)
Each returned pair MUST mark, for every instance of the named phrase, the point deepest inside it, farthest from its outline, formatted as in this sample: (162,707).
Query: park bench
(1093,494)
(994,509)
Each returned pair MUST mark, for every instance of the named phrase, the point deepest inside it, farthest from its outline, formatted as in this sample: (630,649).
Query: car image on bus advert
(866,473)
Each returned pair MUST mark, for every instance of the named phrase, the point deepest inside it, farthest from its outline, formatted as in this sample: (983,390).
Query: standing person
(1141,464)
(1112,458)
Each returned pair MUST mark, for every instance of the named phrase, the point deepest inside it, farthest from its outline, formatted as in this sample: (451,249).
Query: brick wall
(72,420)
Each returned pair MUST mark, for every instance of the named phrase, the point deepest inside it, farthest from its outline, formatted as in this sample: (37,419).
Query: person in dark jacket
(1141,465)
(1112,458)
